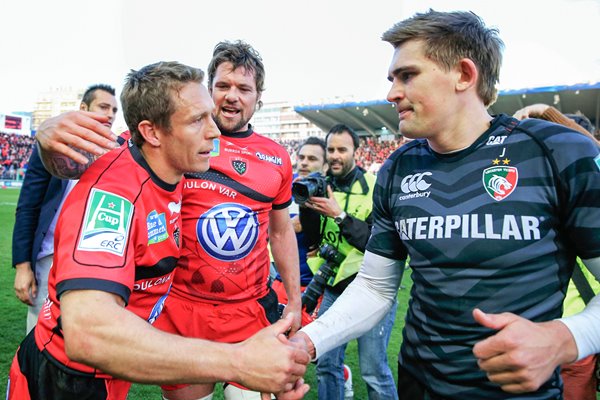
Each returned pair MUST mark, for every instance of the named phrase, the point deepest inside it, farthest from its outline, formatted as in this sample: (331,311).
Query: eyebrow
(399,71)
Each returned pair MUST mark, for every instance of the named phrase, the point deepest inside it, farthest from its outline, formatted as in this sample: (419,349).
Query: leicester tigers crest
(500,182)
(240,165)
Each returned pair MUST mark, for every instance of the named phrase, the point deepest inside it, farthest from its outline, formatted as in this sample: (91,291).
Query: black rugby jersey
(496,226)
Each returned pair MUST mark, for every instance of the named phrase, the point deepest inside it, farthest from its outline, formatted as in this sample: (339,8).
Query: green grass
(12,323)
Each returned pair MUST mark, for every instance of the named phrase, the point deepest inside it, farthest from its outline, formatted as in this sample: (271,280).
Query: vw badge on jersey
(228,231)
(500,182)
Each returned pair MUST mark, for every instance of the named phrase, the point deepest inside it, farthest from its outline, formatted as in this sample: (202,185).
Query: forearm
(62,166)
(553,115)
(119,343)
(584,326)
(360,307)
(284,249)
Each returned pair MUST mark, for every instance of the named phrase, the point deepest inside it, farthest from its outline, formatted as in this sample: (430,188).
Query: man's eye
(406,76)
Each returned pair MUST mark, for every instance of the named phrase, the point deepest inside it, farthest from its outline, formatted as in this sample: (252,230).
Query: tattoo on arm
(63,167)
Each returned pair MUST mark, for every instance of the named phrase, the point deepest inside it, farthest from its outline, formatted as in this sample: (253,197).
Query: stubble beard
(236,128)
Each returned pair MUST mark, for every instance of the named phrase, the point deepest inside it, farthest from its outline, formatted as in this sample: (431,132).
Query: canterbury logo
(415,183)
(499,184)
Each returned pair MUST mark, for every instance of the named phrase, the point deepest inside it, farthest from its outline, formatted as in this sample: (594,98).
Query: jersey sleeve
(93,244)
(284,196)
(384,240)
(579,170)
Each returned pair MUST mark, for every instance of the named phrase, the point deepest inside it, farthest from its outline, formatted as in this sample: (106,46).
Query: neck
(159,165)
(346,180)
(462,128)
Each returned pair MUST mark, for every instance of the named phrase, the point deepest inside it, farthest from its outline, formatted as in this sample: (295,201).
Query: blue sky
(313,50)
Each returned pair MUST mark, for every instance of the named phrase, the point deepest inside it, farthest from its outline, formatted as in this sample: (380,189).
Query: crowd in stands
(14,154)
(370,154)
(16,150)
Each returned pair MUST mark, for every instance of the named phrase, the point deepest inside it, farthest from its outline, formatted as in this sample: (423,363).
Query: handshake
(284,361)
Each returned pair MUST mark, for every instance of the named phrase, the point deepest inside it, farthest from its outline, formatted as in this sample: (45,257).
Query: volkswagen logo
(228,232)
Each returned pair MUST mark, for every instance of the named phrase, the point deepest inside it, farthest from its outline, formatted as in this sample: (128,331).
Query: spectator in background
(578,122)
(344,222)
(579,378)
(39,205)
(310,159)
(15,150)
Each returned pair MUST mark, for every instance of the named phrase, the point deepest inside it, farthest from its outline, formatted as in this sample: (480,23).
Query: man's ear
(467,75)
(259,102)
(83,106)
(149,133)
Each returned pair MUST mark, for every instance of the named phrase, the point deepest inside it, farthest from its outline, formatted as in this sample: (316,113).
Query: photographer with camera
(343,202)
(310,158)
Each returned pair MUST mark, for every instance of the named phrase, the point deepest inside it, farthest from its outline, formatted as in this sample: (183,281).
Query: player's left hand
(297,392)
(296,309)
(522,355)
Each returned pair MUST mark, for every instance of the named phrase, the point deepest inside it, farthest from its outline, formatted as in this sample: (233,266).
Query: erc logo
(228,232)
(500,182)
(106,223)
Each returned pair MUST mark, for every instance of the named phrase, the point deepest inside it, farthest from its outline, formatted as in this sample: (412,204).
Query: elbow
(79,339)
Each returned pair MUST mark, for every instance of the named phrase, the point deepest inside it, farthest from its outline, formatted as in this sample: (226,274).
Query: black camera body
(314,184)
(316,287)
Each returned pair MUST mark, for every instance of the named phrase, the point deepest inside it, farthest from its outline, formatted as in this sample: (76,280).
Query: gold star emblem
(506,161)
(496,161)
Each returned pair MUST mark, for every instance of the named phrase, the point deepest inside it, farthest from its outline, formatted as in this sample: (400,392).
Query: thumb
(494,321)
(284,324)
(34,289)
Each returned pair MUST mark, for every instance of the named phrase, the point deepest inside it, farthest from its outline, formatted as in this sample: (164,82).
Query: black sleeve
(357,232)
(311,227)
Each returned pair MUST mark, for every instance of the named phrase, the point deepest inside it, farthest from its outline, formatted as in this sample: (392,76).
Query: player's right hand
(82,130)
(25,285)
(268,362)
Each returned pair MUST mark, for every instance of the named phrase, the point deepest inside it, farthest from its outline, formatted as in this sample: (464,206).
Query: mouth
(403,112)
(229,111)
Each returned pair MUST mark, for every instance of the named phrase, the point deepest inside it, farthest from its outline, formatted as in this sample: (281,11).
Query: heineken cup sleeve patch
(106,223)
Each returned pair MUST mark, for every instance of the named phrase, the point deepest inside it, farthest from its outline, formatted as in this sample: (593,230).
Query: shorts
(35,375)
(224,322)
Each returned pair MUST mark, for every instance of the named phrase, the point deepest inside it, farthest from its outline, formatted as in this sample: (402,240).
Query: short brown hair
(150,93)
(240,54)
(450,36)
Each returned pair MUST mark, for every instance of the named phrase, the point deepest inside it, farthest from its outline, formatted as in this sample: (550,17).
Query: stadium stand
(14,153)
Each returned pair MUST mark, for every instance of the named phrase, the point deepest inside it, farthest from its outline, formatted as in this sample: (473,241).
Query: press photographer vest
(359,205)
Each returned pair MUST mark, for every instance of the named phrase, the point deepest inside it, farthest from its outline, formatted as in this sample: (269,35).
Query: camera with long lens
(316,287)
(313,184)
